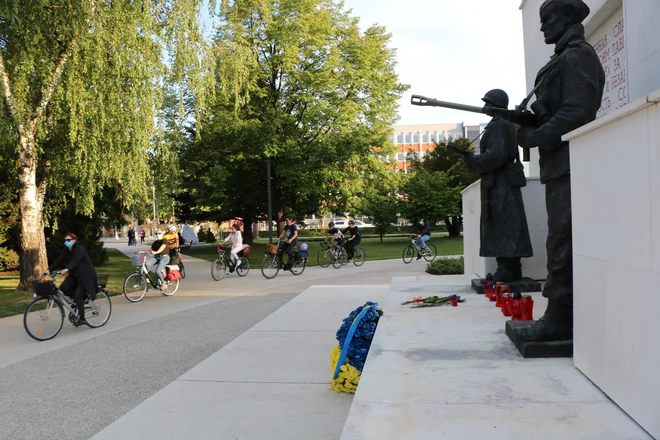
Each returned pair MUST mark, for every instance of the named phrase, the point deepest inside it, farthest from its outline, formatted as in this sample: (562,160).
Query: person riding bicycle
(291,233)
(423,230)
(172,239)
(236,239)
(354,239)
(337,236)
(160,259)
(82,279)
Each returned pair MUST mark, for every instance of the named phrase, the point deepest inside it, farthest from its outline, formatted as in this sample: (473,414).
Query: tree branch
(9,98)
(50,89)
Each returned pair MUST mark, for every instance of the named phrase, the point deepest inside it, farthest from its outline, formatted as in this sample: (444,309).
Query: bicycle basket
(247,250)
(103,280)
(271,248)
(222,247)
(43,288)
(138,259)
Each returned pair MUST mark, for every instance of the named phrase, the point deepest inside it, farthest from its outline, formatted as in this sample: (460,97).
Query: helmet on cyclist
(171,228)
(331,224)
(303,247)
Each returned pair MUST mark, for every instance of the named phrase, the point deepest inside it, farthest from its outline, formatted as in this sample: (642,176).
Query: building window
(399,138)
(416,138)
(425,137)
(401,156)
(434,138)
(392,138)
(441,137)
(408,138)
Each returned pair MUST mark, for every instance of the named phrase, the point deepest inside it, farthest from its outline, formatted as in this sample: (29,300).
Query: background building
(423,138)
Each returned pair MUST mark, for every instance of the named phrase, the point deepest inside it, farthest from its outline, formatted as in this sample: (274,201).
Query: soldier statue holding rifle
(503,226)
(568,91)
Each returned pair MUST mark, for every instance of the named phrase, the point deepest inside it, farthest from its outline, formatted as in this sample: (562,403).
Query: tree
(451,163)
(301,85)
(380,201)
(430,196)
(81,83)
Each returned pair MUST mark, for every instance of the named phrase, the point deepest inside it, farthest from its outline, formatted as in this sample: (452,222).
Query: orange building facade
(419,139)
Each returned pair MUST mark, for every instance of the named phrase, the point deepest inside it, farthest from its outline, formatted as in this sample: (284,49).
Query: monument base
(523,285)
(538,349)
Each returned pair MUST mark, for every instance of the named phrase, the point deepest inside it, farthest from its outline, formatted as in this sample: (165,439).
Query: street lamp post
(270,205)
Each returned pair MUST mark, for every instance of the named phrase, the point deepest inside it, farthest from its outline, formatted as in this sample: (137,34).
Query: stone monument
(570,86)
(504,234)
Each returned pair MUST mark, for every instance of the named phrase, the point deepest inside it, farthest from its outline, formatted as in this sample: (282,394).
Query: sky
(451,50)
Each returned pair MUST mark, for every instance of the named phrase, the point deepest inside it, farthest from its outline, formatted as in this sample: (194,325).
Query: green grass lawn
(14,303)
(392,247)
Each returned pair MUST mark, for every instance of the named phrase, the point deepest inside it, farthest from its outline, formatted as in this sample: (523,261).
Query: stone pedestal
(523,285)
(538,349)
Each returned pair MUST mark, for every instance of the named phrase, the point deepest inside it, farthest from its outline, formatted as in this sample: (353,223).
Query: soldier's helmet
(496,98)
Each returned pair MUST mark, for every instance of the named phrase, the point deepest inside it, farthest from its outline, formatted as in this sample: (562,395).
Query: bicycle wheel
(170,287)
(359,257)
(324,258)
(408,253)
(431,252)
(298,267)
(135,287)
(270,266)
(218,269)
(43,318)
(182,270)
(98,312)
(338,259)
(244,268)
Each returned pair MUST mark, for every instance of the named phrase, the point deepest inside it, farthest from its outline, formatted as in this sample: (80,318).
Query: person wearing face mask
(161,257)
(82,279)
(423,235)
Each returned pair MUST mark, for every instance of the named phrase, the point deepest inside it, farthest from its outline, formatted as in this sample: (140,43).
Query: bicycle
(223,262)
(340,257)
(429,252)
(273,262)
(137,283)
(326,256)
(40,313)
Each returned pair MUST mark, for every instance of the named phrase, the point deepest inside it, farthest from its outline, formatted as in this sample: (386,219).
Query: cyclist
(353,241)
(291,232)
(423,230)
(236,239)
(337,236)
(82,277)
(161,257)
(172,240)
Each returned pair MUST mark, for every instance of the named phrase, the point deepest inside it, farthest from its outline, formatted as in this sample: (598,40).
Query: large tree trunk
(33,240)
(248,235)
(453,226)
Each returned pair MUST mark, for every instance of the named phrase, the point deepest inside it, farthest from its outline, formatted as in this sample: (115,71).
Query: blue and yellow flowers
(354,337)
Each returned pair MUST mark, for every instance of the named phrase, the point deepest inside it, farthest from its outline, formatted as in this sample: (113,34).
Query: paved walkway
(451,373)
(85,379)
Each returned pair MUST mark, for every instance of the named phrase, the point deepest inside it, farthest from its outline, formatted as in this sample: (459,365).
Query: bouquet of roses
(434,301)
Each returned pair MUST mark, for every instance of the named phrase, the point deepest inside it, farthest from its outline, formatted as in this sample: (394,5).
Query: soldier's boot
(556,324)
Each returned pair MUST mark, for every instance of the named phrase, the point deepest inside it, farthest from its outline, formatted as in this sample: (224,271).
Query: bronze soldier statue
(571,87)
(503,232)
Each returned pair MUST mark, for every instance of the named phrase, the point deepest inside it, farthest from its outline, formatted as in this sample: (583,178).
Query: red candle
(502,288)
(506,303)
(516,307)
(527,305)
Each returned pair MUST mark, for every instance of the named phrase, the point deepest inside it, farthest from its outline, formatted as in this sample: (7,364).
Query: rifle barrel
(424,101)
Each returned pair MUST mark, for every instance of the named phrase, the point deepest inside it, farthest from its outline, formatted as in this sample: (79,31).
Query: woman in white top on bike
(237,243)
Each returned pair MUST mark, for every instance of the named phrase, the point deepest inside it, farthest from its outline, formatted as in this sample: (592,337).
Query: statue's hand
(526,137)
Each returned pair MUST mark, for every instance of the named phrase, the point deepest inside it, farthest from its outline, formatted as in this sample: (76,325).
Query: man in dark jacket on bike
(82,279)
(423,230)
